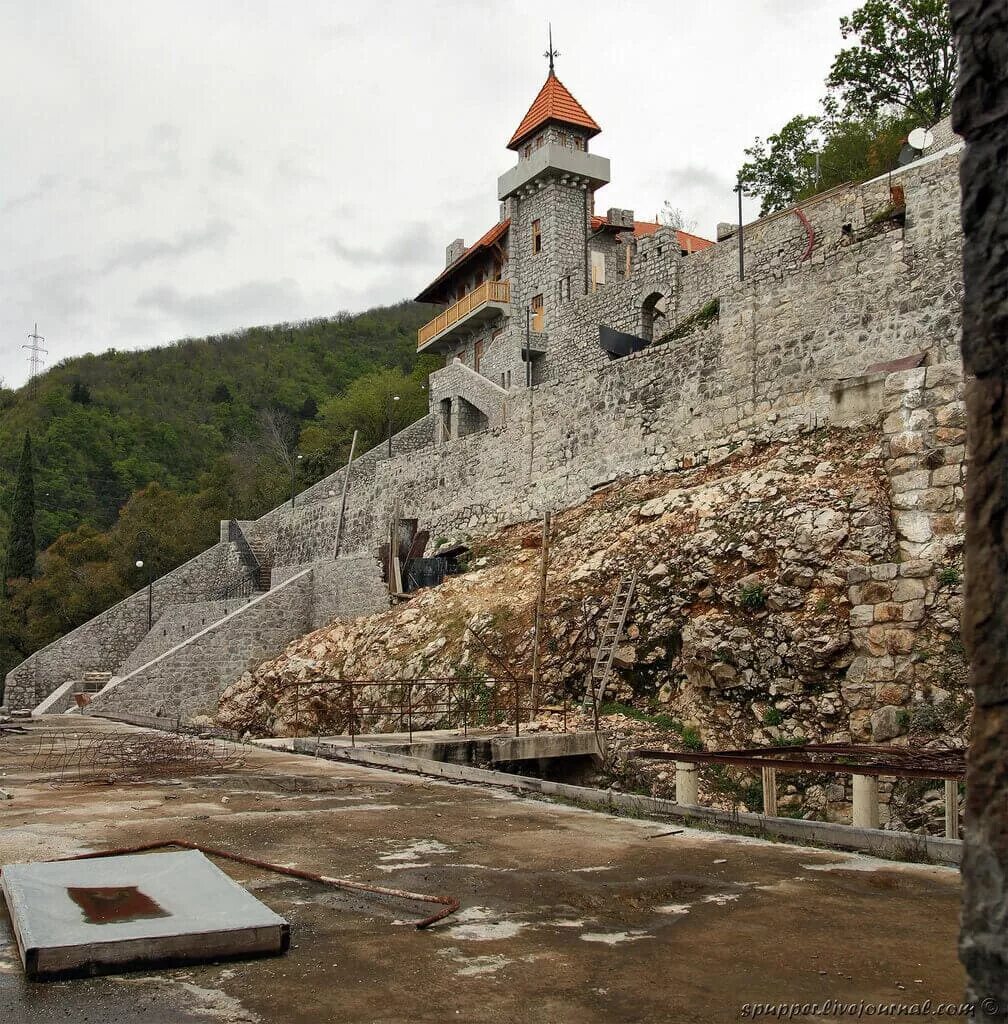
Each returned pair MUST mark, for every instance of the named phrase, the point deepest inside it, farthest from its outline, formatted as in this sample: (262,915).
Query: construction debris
(112,757)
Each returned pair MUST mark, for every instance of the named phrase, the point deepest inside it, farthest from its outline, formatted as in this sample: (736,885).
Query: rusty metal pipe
(449,903)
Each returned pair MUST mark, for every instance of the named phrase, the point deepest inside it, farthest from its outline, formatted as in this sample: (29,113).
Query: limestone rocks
(773,606)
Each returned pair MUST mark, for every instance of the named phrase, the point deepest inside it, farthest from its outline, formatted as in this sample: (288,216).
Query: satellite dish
(920,138)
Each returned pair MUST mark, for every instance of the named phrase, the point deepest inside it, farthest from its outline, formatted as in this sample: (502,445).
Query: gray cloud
(149,250)
(332,156)
(46,185)
(248,303)
(224,162)
(414,246)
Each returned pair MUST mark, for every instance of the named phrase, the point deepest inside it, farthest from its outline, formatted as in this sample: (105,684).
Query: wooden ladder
(611,633)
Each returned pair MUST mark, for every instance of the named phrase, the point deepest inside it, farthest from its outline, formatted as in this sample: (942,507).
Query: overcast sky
(171,170)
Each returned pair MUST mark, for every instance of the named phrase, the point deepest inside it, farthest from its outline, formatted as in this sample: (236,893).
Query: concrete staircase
(263,557)
(64,700)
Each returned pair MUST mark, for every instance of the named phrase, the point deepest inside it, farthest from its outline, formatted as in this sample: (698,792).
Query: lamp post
(150,595)
(741,240)
(391,398)
(293,468)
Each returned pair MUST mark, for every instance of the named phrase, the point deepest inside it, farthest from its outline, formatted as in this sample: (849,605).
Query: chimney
(453,251)
(620,218)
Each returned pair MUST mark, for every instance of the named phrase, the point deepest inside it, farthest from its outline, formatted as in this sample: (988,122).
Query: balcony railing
(488,291)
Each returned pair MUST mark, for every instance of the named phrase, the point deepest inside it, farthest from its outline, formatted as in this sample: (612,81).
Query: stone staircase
(264,574)
(74,694)
(255,554)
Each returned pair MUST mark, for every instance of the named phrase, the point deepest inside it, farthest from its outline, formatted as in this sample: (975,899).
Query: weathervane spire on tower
(550,54)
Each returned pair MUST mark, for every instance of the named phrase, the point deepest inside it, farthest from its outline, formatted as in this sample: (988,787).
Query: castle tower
(549,198)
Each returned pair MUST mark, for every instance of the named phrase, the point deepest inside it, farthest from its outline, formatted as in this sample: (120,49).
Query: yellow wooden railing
(488,291)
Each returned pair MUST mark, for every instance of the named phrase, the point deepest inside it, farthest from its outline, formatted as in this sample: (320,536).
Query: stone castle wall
(783,337)
(870,291)
(104,642)
(185,680)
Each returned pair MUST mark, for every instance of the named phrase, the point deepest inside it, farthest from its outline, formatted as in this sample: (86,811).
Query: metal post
(742,245)
(409,708)
(297,709)
(539,610)
(388,404)
(517,709)
(951,809)
(353,742)
(770,792)
(150,602)
(528,347)
(346,481)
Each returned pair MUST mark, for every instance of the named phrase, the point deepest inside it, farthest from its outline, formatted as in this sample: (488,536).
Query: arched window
(652,310)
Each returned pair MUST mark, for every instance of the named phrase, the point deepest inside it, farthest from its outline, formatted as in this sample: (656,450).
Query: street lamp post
(391,398)
(741,239)
(293,469)
(150,595)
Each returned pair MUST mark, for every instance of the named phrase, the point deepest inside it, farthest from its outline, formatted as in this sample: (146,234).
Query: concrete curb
(876,842)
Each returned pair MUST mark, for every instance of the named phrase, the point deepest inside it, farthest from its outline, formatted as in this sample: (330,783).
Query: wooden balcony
(487,300)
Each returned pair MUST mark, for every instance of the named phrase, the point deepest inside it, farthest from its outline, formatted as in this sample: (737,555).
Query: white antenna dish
(920,138)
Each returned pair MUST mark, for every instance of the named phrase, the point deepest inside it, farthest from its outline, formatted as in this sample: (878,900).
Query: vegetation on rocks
(739,633)
(139,454)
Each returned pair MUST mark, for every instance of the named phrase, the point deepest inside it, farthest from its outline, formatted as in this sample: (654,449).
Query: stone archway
(653,312)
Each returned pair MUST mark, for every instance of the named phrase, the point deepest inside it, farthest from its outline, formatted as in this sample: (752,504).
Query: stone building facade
(857,285)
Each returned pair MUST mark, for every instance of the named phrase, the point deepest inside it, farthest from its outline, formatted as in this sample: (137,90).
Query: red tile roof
(642,228)
(554,103)
(488,240)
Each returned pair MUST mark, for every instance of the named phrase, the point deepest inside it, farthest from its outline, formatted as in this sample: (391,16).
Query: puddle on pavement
(114,904)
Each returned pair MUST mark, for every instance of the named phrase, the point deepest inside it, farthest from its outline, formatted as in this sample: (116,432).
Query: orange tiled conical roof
(554,103)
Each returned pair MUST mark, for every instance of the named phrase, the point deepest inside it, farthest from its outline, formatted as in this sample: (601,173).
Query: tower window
(538,313)
(565,288)
(536,237)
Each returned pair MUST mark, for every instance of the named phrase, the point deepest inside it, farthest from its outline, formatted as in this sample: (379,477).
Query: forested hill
(138,454)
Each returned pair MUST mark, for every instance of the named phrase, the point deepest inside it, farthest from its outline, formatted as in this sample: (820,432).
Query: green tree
(22,546)
(811,154)
(904,60)
(784,167)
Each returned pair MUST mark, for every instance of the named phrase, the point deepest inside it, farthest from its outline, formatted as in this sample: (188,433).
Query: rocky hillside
(740,632)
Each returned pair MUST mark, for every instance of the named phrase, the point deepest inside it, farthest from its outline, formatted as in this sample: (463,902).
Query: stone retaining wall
(185,680)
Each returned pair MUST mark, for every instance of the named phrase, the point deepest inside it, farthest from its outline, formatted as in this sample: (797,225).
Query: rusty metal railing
(356,707)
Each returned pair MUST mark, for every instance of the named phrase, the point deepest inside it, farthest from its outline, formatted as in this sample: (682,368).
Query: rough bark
(980,114)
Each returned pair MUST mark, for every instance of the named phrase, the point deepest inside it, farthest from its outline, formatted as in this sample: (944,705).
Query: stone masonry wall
(185,681)
(906,609)
(178,622)
(102,643)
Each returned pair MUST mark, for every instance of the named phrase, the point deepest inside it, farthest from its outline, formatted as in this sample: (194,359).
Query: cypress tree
(21,554)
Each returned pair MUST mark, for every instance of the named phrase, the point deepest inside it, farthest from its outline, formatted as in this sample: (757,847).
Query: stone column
(866,801)
(770,792)
(686,789)
(951,809)
(980,115)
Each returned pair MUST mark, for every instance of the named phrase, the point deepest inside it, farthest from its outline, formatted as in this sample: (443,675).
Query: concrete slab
(112,913)
(569,915)
(475,747)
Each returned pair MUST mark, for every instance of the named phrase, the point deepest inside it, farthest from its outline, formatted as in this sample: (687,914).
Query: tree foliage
(904,60)
(813,154)
(22,548)
(901,74)
(172,440)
